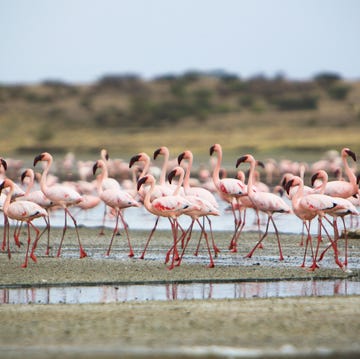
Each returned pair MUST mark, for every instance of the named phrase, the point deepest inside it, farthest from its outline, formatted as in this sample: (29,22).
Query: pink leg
(24,265)
(131,253)
(113,235)
(149,238)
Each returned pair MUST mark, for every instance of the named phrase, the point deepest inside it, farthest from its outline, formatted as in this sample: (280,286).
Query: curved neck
(250,184)
(148,194)
(180,183)
(162,179)
(216,171)
(187,173)
(349,172)
(43,180)
(146,166)
(8,199)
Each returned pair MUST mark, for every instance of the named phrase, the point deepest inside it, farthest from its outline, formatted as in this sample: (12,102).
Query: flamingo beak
(181,157)
(4,163)
(156,153)
(314,178)
(171,175)
(95,167)
(37,159)
(241,160)
(133,160)
(141,181)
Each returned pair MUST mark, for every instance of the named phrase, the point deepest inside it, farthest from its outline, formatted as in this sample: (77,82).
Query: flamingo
(200,192)
(38,197)
(170,207)
(344,208)
(312,205)
(204,208)
(340,188)
(24,211)
(229,189)
(61,195)
(266,202)
(118,200)
(159,190)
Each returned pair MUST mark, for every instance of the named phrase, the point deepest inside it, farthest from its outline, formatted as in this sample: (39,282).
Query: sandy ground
(273,327)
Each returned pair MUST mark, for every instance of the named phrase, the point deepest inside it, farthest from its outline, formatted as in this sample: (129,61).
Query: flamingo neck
(216,171)
(43,180)
(187,174)
(164,168)
(147,201)
(349,172)
(179,184)
(250,184)
(8,199)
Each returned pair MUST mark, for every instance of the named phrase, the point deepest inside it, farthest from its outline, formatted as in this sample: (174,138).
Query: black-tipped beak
(23,175)
(314,177)
(141,181)
(2,186)
(171,175)
(288,185)
(156,153)
(351,154)
(95,167)
(37,159)
(3,163)
(133,160)
(212,149)
(241,160)
(181,157)
(260,163)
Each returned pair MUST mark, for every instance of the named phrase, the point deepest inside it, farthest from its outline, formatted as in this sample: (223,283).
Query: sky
(79,41)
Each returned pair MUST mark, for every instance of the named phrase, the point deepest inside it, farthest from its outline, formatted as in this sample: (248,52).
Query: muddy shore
(272,327)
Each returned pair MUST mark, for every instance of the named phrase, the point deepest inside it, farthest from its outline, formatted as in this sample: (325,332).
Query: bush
(296,103)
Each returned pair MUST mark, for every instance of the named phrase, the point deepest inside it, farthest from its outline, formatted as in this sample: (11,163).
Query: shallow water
(176,291)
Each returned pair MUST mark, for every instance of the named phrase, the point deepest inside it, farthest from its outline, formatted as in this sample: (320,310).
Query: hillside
(126,114)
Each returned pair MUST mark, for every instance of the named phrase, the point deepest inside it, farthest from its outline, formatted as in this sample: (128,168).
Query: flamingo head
(319,174)
(161,151)
(6,183)
(175,172)
(215,148)
(142,181)
(3,163)
(294,181)
(27,173)
(348,152)
(104,154)
(185,155)
(45,156)
(140,157)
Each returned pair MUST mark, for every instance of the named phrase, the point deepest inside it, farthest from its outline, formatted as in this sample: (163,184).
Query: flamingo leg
(241,224)
(82,252)
(211,264)
(188,235)
(215,248)
(281,257)
(131,253)
(249,255)
(24,265)
(114,232)
(32,254)
(17,231)
(149,238)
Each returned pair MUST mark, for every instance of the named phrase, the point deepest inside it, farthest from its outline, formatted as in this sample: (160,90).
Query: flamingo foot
(216,249)
(47,252)
(233,249)
(313,267)
(211,265)
(24,265)
(281,258)
(33,257)
(82,253)
(142,256)
(131,254)
(249,255)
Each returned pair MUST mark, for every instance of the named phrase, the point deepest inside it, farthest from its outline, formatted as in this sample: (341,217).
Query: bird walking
(24,211)
(62,196)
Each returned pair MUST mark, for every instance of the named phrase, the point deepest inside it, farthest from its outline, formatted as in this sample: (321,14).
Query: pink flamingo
(170,207)
(310,206)
(24,211)
(38,197)
(118,200)
(159,190)
(229,189)
(200,192)
(266,202)
(344,189)
(344,208)
(203,208)
(61,195)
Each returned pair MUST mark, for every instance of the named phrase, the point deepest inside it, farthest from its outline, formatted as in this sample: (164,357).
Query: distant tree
(326,79)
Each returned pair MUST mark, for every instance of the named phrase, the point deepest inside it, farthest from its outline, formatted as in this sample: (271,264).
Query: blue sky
(81,40)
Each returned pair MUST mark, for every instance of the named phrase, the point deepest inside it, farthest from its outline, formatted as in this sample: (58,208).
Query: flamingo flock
(172,192)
